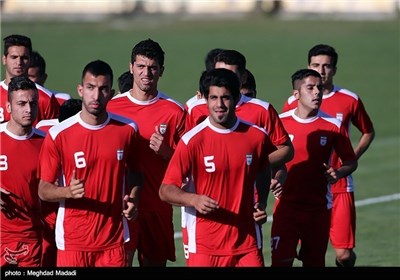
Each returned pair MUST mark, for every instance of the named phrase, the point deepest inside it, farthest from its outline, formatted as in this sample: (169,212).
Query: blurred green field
(369,64)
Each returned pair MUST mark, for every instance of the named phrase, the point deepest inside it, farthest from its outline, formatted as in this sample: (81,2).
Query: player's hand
(204,204)
(276,188)
(330,174)
(260,215)
(158,146)
(76,188)
(156,141)
(131,211)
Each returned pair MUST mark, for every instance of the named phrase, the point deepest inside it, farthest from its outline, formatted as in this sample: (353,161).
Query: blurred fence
(285,8)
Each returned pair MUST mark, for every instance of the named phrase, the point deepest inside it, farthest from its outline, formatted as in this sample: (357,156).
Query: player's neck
(141,95)
(18,129)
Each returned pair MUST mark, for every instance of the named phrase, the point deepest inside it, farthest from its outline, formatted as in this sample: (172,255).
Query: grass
(368,65)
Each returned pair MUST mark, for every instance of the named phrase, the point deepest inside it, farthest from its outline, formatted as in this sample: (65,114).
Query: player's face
(35,75)
(24,107)
(16,61)
(310,93)
(323,65)
(233,68)
(95,92)
(221,107)
(146,73)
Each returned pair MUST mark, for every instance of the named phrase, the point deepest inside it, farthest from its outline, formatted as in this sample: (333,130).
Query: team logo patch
(120,154)
(339,116)
(323,140)
(249,159)
(163,128)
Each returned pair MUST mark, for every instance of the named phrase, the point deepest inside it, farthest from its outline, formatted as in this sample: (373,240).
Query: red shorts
(292,223)
(156,236)
(251,259)
(343,221)
(106,258)
(21,254)
(49,247)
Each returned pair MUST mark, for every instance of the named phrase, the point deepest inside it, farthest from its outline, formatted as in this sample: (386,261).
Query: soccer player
(93,150)
(249,87)
(125,81)
(258,112)
(347,107)
(304,207)
(21,225)
(161,122)
(223,155)
(69,108)
(196,116)
(37,73)
(16,57)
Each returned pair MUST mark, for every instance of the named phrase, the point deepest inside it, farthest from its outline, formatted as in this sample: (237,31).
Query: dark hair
(322,49)
(249,82)
(98,68)
(220,77)
(209,61)
(301,74)
(69,108)
(38,61)
(18,83)
(125,81)
(232,57)
(17,40)
(149,49)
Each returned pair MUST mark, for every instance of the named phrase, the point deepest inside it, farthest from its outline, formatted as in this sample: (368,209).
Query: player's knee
(348,261)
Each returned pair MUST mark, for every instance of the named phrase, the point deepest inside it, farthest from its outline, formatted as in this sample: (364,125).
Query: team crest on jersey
(249,159)
(163,128)
(120,154)
(339,116)
(323,140)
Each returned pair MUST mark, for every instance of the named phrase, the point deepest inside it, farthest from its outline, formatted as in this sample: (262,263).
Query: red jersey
(45,125)
(49,209)
(264,115)
(61,97)
(99,154)
(314,139)
(48,105)
(196,112)
(223,164)
(164,113)
(347,107)
(18,166)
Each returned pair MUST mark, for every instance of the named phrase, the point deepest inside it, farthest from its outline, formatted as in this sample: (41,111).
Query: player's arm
(333,175)
(282,155)
(178,197)
(363,145)
(278,179)
(135,180)
(263,181)
(53,193)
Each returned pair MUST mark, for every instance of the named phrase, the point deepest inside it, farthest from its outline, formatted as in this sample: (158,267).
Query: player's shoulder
(255,102)
(123,119)
(328,118)
(337,91)
(44,91)
(163,96)
(196,130)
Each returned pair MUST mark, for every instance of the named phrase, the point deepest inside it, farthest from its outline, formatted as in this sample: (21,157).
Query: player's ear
(296,94)
(162,71)
(79,89)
